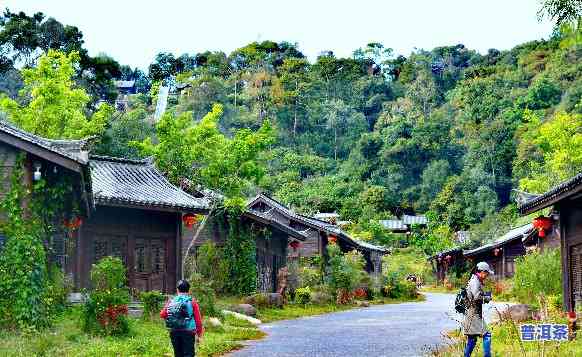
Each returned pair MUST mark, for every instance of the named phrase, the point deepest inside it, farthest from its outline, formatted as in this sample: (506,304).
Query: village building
(124,90)
(126,208)
(292,236)
(405,223)
(446,261)
(320,233)
(566,220)
(501,253)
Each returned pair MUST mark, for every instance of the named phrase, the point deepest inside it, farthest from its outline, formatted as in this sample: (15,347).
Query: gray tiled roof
(124,84)
(138,183)
(393,224)
(316,223)
(75,150)
(519,232)
(406,219)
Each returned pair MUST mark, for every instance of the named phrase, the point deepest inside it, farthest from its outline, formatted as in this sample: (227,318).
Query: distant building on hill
(404,224)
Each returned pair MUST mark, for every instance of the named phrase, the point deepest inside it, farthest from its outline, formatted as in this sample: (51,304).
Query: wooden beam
(41,152)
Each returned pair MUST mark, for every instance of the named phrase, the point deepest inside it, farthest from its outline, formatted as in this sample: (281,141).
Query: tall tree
(57,107)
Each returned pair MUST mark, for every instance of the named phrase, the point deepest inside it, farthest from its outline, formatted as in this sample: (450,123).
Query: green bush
(152,303)
(25,297)
(345,271)
(211,265)
(309,276)
(204,294)
(303,295)
(105,311)
(397,287)
(538,275)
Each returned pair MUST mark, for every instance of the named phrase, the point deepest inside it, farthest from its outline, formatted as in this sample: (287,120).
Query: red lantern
(73,224)
(332,239)
(189,219)
(295,244)
(542,224)
(497,251)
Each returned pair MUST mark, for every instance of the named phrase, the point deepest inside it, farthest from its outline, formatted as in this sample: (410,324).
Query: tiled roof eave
(117,202)
(563,190)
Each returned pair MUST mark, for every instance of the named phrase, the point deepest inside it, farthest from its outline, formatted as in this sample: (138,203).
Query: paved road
(407,329)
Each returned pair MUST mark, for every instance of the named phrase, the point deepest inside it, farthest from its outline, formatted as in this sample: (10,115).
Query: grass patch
(438,289)
(293,311)
(506,342)
(148,338)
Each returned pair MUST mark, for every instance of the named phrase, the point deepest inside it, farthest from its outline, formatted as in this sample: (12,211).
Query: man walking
(474,325)
(182,315)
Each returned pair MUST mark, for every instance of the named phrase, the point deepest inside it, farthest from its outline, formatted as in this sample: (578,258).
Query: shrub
(204,294)
(211,265)
(152,303)
(537,275)
(398,288)
(303,295)
(105,311)
(25,299)
(345,271)
(309,276)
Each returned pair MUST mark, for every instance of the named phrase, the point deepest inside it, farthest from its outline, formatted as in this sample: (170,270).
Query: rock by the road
(250,319)
(516,313)
(246,309)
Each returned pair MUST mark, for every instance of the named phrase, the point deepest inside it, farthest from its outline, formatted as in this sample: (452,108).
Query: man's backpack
(178,316)
(461,301)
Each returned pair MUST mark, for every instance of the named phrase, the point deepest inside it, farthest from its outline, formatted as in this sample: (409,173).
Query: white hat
(483,266)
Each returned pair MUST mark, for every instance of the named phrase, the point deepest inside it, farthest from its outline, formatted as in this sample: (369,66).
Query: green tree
(559,142)
(57,107)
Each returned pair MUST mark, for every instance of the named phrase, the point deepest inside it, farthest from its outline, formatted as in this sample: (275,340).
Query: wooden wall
(571,248)
(147,241)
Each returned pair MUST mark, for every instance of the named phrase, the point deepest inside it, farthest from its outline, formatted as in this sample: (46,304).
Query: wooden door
(150,264)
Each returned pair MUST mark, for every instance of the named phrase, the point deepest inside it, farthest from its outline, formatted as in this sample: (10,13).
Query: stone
(363,303)
(516,313)
(214,322)
(320,298)
(265,300)
(275,300)
(246,309)
(252,320)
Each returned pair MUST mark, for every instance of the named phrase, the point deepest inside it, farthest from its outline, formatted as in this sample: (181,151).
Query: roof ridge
(121,160)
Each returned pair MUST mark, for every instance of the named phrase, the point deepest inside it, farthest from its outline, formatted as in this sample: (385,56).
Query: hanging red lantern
(189,219)
(332,239)
(497,251)
(295,244)
(73,223)
(542,224)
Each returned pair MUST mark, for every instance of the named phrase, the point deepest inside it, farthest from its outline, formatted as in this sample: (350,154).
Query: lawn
(148,338)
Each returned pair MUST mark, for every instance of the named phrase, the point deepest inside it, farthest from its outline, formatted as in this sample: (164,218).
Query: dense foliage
(105,311)
(538,276)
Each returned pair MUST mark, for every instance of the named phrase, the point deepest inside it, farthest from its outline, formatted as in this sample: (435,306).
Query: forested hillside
(446,132)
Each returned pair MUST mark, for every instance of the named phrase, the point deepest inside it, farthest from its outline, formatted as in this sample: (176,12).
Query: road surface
(407,329)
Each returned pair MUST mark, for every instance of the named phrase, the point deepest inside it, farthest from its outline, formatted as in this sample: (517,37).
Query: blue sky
(134,31)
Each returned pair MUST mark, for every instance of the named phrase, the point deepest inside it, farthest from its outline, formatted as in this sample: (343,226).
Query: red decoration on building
(542,224)
(332,239)
(497,251)
(295,244)
(189,219)
(73,224)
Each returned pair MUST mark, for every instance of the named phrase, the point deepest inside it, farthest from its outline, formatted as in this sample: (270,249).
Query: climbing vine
(30,292)
(240,256)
